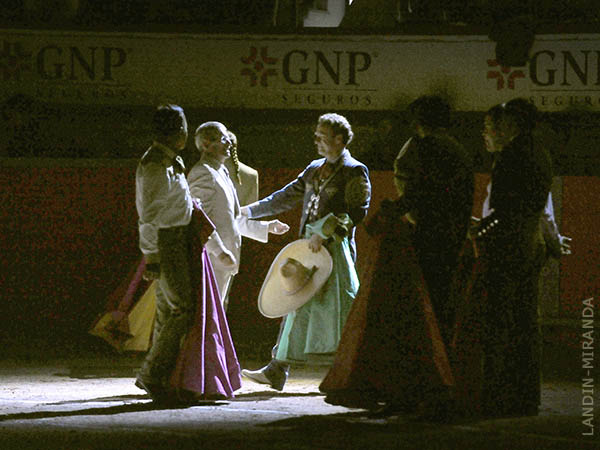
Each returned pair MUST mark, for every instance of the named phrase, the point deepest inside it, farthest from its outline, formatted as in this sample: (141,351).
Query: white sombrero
(295,275)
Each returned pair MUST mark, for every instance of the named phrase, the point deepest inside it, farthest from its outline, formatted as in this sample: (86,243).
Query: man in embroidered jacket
(335,192)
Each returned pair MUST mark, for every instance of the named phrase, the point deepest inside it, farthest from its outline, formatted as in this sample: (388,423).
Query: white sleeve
(202,187)
(215,245)
(254,229)
(153,195)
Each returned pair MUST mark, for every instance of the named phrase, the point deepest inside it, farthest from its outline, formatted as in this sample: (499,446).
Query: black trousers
(511,336)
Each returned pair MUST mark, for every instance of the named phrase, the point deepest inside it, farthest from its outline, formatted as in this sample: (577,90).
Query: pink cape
(207,364)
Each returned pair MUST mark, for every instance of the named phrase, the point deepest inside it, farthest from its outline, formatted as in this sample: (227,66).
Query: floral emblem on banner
(258,70)
(14,61)
(503,75)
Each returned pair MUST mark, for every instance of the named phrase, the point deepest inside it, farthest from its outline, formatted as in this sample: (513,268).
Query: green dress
(313,331)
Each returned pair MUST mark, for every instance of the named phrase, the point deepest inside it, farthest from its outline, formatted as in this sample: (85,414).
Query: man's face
(219,145)
(417,128)
(490,136)
(328,144)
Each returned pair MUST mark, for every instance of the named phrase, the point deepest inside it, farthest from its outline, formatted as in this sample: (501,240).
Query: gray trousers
(175,304)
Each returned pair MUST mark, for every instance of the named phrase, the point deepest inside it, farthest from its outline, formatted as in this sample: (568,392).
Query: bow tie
(178,165)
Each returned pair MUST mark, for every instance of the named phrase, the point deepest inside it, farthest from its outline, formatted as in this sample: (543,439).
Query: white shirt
(162,196)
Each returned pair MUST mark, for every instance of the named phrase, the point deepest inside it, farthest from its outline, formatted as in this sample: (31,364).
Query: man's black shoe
(156,391)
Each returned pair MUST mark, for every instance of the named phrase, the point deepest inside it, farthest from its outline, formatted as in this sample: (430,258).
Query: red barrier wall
(68,235)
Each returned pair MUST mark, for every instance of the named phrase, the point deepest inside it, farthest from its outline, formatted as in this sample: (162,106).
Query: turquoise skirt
(314,330)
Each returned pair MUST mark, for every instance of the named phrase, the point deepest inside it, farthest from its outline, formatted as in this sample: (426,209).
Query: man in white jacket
(209,181)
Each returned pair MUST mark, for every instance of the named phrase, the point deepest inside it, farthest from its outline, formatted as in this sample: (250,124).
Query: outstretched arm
(279,201)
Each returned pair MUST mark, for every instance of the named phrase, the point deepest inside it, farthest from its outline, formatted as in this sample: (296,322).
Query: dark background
(68,233)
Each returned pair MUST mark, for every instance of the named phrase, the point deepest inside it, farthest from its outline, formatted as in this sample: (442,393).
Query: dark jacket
(521,180)
(439,195)
(349,191)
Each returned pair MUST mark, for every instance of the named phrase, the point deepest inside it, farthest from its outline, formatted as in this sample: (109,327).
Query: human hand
(277,227)
(411,218)
(315,242)
(152,272)
(474,225)
(245,211)
(565,245)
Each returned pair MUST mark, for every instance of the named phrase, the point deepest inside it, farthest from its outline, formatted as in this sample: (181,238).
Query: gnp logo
(300,67)
(503,75)
(53,62)
(548,69)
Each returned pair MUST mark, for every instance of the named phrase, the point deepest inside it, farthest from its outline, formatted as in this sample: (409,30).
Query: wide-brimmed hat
(295,275)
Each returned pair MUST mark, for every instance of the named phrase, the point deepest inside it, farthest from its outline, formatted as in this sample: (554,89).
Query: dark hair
(523,112)
(495,113)
(167,120)
(339,124)
(431,111)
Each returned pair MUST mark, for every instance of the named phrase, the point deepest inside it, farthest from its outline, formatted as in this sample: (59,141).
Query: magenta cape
(207,364)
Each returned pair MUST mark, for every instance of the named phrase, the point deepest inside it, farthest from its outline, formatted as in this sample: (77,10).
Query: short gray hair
(208,130)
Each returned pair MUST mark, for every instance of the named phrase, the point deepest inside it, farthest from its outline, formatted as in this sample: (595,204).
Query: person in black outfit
(513,252)
(435,174)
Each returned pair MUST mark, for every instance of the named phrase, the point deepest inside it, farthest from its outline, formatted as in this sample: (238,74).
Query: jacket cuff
(152,258)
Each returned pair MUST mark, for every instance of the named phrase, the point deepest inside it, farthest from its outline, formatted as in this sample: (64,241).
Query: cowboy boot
(274,374)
